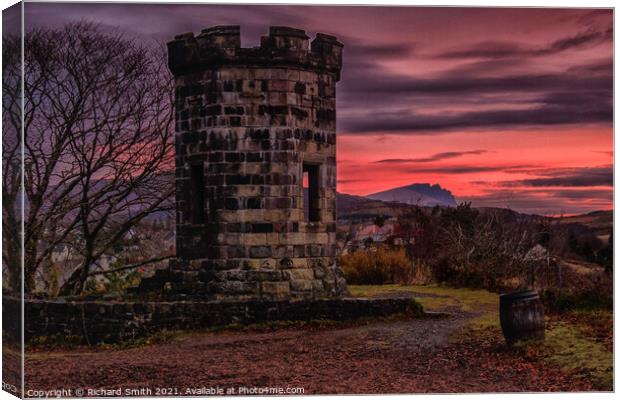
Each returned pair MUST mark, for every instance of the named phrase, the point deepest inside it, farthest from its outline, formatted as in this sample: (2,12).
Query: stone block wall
(95,321)
(250,122)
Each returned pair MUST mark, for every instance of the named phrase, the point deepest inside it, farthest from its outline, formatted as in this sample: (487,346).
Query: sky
(504,107)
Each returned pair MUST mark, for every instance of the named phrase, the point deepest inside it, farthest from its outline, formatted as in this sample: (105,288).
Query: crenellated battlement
(284,46)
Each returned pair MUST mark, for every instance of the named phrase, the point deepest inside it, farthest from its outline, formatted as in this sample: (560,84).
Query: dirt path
(409,356)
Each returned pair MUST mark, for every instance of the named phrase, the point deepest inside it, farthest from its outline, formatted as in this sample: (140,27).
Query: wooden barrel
(522,316)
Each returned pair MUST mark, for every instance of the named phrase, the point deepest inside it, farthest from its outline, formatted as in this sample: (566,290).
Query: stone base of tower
(285,280)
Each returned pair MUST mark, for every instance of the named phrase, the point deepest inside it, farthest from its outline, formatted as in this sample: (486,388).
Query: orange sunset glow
(489,169)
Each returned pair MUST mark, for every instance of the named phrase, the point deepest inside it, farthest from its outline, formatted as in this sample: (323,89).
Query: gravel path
(407,356)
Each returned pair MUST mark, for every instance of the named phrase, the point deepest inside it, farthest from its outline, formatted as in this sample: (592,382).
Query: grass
(377,290)
(569,349)
(593,314)
(467,299)
(439,303)
(487,320)
(53,343)
(575,352)
(442,298)
(570,342)
(593,322)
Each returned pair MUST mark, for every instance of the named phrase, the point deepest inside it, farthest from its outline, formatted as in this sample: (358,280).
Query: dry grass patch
(434,297)
(566,347)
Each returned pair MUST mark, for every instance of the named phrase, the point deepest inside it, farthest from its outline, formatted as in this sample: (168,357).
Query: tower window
(197,194)
(312,209)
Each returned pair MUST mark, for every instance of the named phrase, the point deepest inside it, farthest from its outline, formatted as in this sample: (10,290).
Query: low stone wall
(111,321)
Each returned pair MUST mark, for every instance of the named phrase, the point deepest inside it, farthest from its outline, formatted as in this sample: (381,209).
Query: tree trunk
(14,267)
(30,268)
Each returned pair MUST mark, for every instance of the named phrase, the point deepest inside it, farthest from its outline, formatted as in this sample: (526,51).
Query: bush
(416,309)
(562,300)
(475,276)
(376,266)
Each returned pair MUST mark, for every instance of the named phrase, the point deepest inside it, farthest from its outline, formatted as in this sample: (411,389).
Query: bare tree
(11,160)
(98,143)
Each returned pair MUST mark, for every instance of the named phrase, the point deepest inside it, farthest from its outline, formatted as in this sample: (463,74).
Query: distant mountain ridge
(422,194)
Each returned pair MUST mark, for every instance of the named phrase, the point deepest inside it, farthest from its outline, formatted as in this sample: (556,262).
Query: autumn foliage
(376,266)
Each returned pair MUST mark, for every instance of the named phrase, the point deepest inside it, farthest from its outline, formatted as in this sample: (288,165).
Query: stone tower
(256,165)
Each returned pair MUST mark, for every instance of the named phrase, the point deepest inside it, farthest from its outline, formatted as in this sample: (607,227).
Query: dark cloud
(519,200)
(604,195)
(579,95)
(163,21)
(582,39)
(463,169)
(544,202)
(544,115)
(434,157)
(494,49)
(370,94)
(454,82)
(570,177)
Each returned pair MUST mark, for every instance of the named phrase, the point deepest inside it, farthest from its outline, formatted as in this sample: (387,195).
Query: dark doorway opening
(197,194)
(312,209)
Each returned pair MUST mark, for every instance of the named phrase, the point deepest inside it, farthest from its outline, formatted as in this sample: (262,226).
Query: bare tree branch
(128,267)
(98,144)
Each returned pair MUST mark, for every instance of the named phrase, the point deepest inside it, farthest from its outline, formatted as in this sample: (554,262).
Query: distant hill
(601,222)
(359,208)
(422,194)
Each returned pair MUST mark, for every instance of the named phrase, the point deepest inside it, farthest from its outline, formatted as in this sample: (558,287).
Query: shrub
(485,274)
(376,266)
(562,300)
(416,309)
